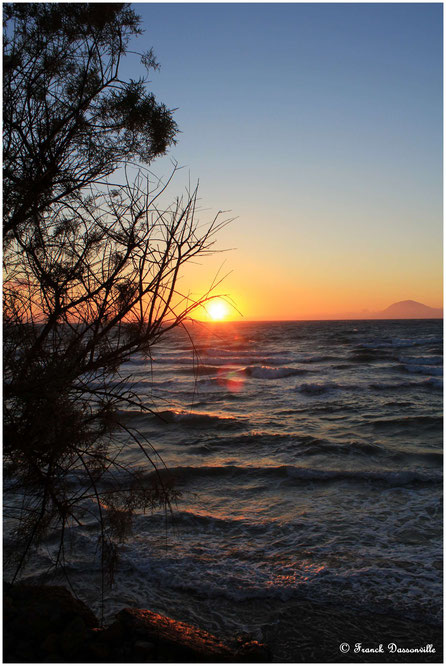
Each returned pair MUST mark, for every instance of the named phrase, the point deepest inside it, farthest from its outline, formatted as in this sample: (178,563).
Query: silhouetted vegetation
(90,271)
(69,120)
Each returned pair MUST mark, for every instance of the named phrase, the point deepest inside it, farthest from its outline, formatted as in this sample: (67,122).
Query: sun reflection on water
(231,379)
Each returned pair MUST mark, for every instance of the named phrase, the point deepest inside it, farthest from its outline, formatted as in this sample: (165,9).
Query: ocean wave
(429,457)
(294,444)
(266,372)
(228,350)
(197,370)
(318,388)
(346,448)
(379,343)
(370,588)
(400,478)
(278,356)
(414,342)
(203,520)
(224,359)
(319,359)
(422,360)
(391,386)
(374,344)
(198,419)
(409,421)
(369,355)
(432,382)
(313,475)
(174,359)
(424,370)
(219,359)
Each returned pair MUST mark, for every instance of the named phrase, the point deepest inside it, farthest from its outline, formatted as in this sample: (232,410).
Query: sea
(308,461)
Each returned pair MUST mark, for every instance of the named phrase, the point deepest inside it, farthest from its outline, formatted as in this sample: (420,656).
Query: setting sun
(217,310)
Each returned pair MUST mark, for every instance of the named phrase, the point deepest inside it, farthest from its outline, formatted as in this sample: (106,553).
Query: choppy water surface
(309,456)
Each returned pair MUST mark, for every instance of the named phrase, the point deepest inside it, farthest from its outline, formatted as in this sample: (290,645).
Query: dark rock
(51,644)
(144,645)
(113,634)
(73,637)
(8,605)
(253,651)
(43,623)
(178,641)
(143,651)
(242,638)
(99,652)
(47,624)
(48,607)
(22,654)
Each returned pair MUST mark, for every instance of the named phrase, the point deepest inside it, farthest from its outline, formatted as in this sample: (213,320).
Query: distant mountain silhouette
(401,310)
(410,310)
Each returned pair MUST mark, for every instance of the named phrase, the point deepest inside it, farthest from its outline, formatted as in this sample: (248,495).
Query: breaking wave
(307,474)
(265,372)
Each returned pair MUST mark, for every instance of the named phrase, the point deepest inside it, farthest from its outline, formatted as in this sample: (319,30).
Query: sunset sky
(319,126)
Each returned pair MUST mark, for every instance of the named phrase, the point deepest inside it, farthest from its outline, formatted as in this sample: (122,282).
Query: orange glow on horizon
(309,293)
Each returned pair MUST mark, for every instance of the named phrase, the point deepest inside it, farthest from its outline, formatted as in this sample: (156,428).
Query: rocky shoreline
(47,624)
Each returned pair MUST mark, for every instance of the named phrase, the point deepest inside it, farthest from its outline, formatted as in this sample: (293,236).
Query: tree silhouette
(68,118)
(90,272)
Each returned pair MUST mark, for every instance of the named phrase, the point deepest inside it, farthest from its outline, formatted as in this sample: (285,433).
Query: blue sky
(320,127)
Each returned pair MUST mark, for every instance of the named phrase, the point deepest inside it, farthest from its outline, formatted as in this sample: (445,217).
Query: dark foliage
(68,119)
(90,273)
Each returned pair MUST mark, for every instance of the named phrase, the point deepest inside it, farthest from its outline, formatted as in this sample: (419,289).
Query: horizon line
(283,321)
